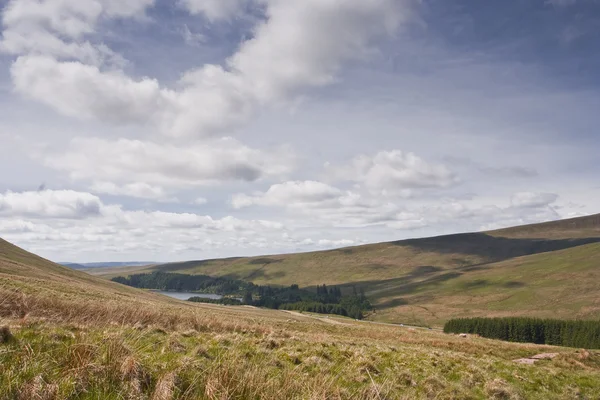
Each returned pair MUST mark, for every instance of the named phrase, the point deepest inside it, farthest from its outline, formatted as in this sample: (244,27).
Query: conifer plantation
(585,334)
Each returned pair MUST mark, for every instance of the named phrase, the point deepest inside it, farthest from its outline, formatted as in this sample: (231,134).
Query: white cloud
(71,222)
(58,27)
(214,9)
(22,226)
(533,200)
(50,204)
(300,44)
(306,42)
(140,190)
(289,193)
(390,172)
(336,243)
(127,161)
(83,91)
(324,205)
(200,201)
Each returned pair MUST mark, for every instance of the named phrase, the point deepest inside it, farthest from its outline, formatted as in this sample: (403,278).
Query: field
(68,335)
(548,269)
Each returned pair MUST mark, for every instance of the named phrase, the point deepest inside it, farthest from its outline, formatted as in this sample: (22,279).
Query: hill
(68,335)
(514,271)
(31,274)
(81,266)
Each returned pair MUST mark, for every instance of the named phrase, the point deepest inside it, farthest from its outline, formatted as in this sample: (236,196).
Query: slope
(404,277)
(33,274)
(559,284)
(67,335)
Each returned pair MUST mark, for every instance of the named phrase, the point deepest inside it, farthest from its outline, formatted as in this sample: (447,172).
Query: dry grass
(213,352)
(72,337)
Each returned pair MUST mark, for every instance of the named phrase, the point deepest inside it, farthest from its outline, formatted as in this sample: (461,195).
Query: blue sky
(159,130)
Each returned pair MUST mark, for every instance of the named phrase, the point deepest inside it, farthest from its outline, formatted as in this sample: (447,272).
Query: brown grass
(77,338)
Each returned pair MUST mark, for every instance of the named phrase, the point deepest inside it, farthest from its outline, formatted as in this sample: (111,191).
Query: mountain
(547,269)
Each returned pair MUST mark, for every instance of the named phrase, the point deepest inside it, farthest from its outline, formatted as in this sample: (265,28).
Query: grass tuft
(5,335)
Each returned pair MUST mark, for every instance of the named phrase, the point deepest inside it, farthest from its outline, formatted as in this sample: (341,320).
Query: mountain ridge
(405,277)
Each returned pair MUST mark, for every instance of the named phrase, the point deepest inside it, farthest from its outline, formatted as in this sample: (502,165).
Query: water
(187,295)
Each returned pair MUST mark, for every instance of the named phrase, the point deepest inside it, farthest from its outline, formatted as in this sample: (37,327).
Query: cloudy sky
(185,129)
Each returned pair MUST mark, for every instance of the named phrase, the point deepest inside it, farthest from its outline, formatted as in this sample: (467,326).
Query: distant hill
(81,266)
(72,265)
(548,269)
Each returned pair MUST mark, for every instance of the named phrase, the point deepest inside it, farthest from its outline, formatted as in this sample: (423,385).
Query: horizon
(156,262)
(199,129)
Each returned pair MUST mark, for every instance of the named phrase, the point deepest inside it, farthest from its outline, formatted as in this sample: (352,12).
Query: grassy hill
(535,270)
(28,273)
(68,335)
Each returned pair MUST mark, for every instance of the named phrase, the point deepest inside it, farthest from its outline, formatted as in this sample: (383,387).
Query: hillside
(427,281)
(31,274)
(68,335)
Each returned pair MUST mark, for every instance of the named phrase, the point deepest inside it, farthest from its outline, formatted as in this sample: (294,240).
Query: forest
(585,334)
(185,283)
(325,300)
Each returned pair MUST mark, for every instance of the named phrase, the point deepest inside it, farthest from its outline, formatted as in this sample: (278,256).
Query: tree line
(326,300)
(228,301)
(585,334)
(168,281)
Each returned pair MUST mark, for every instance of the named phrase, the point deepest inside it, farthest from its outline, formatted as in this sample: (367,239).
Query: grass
(241,353)
(66,335)
(541,270)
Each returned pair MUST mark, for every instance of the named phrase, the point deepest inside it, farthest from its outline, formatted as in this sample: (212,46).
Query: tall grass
(73,348)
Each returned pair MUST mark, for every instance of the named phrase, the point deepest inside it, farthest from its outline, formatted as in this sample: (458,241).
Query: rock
(529,361)
(545,356)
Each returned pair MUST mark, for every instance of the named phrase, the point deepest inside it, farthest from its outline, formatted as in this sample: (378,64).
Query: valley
(70,335)
(544,270)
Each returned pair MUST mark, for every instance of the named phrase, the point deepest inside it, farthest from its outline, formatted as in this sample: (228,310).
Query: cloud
(126,161)
(301,44)
(137,189)
(336,243)
(22,226)
(50,204)
(67,222)
(214,9)
(533,200)
(191,38)
(325,205)
(59,27)
(394,171)
(84,92)
(289,194)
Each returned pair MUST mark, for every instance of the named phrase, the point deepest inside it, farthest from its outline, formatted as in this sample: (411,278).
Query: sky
(163,130)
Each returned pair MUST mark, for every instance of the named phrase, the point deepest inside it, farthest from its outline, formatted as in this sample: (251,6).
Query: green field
(545,270)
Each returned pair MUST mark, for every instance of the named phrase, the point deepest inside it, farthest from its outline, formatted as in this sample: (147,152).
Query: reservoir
(187,295)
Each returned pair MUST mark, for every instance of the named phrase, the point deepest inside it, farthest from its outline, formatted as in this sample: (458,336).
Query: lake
(187,295)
